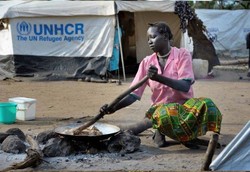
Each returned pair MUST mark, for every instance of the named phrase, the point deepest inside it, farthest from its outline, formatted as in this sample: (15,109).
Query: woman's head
(162,28)
(159,35)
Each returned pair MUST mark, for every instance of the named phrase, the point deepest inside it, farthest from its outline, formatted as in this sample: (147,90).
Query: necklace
(164,56)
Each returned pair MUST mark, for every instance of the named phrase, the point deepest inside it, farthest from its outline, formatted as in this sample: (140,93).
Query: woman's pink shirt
(178,66)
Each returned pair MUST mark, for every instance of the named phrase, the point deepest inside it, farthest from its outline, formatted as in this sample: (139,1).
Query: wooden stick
(210,152)
(234,62)
(78,130)
(34,157)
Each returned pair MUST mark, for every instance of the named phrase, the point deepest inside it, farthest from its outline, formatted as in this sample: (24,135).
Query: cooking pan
(107,131)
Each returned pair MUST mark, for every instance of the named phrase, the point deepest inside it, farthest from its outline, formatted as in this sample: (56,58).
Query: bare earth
(59,102)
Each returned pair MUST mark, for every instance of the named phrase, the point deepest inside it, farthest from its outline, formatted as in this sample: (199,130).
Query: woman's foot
(159,139)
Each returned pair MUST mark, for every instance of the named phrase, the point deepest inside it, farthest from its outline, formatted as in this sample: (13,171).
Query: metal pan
(106,129)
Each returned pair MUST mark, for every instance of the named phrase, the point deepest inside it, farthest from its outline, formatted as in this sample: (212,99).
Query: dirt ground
(59,102)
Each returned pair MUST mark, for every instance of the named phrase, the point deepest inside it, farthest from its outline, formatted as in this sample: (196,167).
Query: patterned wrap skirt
(185,122)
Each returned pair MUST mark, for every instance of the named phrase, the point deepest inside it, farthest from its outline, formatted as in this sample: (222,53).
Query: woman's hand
(152,72)
(181,85)
(105,109)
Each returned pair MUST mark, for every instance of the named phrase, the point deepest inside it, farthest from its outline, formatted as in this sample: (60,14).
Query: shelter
(69,38)
(75,38)
(227,29)
(236,155)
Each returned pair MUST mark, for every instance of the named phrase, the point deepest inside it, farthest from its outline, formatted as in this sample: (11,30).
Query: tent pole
(120,43)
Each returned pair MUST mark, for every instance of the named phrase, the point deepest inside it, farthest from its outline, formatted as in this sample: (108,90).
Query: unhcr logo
(50,32)
(23,28)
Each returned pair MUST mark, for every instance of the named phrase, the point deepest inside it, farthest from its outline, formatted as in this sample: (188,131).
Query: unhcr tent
(73,38)
(228,29)
(69,38)
(236,155)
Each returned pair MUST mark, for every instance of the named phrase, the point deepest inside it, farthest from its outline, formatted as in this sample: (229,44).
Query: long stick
(78,130)
(210,152)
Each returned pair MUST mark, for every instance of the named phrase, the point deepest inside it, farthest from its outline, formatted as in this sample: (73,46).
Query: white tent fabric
(83,36)
(85,30)
(56,8)
(139,6)
(229,28)
(236,155)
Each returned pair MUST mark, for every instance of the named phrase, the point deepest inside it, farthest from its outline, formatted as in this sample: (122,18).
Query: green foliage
(221,4)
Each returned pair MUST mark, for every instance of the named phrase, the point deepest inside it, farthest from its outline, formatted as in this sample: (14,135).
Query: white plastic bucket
(200,68)
(26,108)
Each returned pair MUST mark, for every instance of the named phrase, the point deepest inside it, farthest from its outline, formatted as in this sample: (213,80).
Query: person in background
(174,111)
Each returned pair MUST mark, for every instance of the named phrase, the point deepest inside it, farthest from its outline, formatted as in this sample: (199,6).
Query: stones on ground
(16,131)
(43,137)
(124,143)
(13,141)
(13,144)
(58,147)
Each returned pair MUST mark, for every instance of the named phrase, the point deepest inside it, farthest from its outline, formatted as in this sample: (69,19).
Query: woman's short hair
(162,28)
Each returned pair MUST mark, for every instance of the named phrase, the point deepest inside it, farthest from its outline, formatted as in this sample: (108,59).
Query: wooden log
(234,62)
(210,152)
(231,68)
(138,127)
(34,156)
